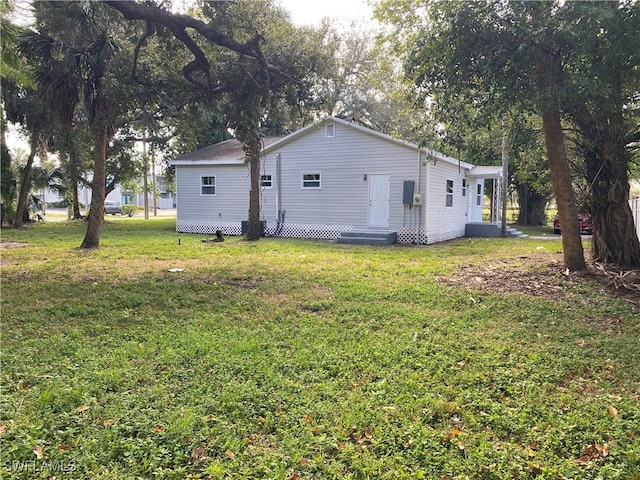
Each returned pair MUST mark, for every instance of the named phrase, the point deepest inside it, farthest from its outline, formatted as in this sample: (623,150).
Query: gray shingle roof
(227,150)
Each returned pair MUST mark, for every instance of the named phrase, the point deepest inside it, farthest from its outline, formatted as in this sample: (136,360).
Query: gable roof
(430,153)
(230,152)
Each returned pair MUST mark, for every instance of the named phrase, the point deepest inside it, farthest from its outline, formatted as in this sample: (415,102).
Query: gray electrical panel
(407,192)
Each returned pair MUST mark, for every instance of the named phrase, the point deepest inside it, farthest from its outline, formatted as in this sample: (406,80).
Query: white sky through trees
(310,12)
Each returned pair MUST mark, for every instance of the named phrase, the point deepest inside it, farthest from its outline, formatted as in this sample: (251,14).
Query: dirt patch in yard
(12,244)
(544,276)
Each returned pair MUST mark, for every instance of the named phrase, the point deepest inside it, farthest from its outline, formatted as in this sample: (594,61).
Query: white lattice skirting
(294,230)
(208,228)
(287,230)
(412,235)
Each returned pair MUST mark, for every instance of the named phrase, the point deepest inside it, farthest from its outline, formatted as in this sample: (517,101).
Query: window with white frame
(479,195)
(330,130)
(207,185)
(310,180)
(464,187)
(266,181)
(449,200)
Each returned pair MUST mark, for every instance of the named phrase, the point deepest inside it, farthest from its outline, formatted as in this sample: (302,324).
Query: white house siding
(342,202)
(442,222)
(197,213)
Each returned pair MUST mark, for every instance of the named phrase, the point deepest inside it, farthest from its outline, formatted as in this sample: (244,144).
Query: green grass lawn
(287,359)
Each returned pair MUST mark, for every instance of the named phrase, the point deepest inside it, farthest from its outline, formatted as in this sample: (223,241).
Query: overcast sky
(310,12)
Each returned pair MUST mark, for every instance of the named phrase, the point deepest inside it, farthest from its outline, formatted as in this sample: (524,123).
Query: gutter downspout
(278,199)
(425,201)
(419,191)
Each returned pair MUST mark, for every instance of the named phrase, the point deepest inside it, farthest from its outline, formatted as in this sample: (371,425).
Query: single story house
(331,178)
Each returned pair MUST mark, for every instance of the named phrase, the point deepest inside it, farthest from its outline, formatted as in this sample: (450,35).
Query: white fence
(634,203)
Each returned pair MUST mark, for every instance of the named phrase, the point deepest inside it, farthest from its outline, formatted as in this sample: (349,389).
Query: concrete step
(368,237)
(490,230)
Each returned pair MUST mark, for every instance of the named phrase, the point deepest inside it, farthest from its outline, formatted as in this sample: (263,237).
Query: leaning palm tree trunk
(96,214)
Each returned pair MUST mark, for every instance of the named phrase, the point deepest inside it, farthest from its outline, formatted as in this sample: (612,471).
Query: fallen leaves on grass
(39,451)
(538,275)
(592,452)
(198,454)
(621,279)
(534,276)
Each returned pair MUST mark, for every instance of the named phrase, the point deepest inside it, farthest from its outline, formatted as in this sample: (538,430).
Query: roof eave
(230,161)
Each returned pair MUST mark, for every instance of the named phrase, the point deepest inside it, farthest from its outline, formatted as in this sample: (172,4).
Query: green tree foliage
(25,108)
(498,55)
(241,54)
(602,100)
(13,77)
(74,63)
(7,182)
(467,115)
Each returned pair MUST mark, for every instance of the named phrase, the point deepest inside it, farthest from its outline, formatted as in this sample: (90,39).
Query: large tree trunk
(604,139)
(532,206)
(548,70)
(563,191)
(96,214)
(254,232)
(21,207)
(614,233)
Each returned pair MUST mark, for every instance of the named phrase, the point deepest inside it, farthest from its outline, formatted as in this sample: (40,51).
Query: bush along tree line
(557,80)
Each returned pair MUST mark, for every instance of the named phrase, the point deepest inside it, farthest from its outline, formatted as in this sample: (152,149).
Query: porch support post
(505,174)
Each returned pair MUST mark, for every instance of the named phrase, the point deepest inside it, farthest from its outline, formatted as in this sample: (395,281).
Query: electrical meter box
(407,192)
(417,199)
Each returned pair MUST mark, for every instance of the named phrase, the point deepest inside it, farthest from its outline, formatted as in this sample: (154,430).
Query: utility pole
(505,179)
(153,184)
(145,186)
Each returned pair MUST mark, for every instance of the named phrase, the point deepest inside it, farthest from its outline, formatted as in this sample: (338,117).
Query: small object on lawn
(174,270)
(178,241)
(219,238)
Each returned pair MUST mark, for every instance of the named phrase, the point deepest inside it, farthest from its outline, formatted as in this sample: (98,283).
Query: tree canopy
(533,56)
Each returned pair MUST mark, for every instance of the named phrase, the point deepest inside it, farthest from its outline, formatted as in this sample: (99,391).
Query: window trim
(330,130)
(479,195)
(318,180)
(464,187)
(449,195)
(203,185)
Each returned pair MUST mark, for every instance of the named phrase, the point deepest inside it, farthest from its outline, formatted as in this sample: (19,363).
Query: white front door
(379,200)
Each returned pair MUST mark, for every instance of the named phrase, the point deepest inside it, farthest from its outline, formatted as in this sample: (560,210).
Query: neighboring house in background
(166,198)
(330,178)
(84,196)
